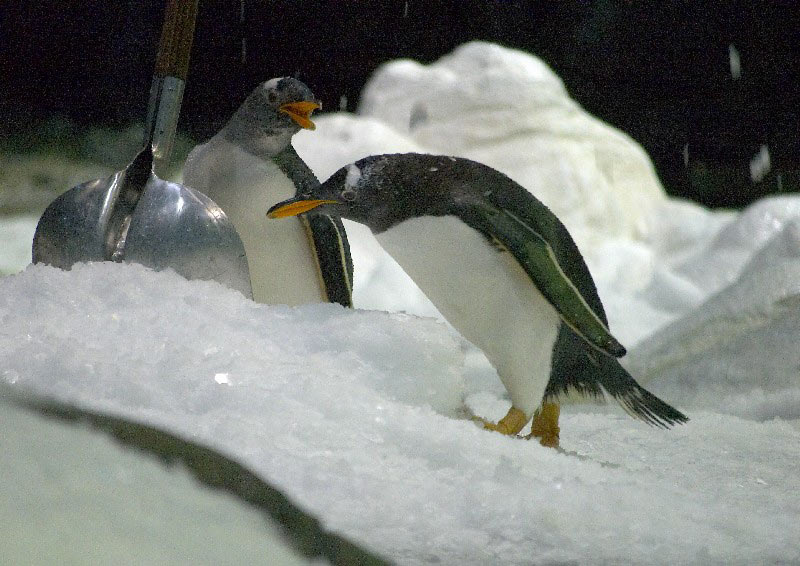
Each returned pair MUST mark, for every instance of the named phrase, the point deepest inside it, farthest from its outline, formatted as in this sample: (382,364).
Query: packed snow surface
(356,415)
(361,416)
(71,495)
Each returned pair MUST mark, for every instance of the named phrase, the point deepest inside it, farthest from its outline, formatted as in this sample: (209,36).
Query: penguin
(502,269)
(250,164)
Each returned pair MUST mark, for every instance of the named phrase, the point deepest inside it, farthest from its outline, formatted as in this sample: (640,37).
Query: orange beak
(295,207)
(300,112)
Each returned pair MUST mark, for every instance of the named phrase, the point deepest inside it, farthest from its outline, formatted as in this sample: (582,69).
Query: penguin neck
(249,132)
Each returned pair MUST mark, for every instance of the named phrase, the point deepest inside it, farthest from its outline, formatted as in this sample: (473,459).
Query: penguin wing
(326,233)
(332,251)
(533,251)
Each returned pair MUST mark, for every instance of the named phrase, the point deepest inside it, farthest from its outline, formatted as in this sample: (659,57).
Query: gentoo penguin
(249,165)
(502,269)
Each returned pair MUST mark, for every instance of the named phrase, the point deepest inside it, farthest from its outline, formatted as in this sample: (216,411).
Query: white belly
(485,295)
(283,268)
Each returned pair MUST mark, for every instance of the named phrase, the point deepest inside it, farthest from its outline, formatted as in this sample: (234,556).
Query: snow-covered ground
(358,416)
(355,416)
(16,235)
(72,495)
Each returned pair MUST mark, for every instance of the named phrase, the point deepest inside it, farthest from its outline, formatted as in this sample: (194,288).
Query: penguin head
(344,194)
(282,103)
(275,111)
(378,191)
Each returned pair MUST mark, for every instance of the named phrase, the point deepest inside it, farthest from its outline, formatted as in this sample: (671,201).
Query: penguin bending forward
(502,269)
(250,164)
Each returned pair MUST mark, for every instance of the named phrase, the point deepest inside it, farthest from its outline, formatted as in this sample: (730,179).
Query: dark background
(658,70)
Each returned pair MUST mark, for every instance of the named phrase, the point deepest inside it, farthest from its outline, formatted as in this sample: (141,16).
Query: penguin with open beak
(502,269)
(250,164)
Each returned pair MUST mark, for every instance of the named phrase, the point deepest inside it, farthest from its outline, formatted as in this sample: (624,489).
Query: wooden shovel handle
(176,39)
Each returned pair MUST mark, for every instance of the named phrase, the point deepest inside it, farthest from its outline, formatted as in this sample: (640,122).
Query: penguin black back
(395,187)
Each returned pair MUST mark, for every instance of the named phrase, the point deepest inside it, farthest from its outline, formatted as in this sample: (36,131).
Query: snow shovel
(133,215)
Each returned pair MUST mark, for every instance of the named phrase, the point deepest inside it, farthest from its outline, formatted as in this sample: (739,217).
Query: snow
(708,355)
(16,235)
(760,164)
(361,416)
(735,62)
(353,175)
(71,495)
(355,415)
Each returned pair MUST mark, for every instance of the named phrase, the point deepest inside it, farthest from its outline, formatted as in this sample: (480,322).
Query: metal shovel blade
(135,216)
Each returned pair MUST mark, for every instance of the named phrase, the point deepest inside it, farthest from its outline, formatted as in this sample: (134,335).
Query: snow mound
(692,254)
(224,343)
(354,415)
(722,257)
(737,353)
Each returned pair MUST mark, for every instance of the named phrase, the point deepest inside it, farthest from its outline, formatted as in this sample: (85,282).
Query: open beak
(294,207)
(300,112)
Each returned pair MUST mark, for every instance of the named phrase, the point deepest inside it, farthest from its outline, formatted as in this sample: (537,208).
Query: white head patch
(353,175)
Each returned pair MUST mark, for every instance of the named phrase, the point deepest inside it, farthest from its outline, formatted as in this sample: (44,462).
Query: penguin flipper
(332,251)
(326,233)
(536,256)
(580,370)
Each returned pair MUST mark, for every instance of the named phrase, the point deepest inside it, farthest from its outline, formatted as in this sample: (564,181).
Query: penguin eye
(349,195)
(272,96)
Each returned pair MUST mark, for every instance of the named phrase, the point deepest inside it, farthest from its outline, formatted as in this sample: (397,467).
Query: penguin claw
(546,440)
(514,421)
(545,425)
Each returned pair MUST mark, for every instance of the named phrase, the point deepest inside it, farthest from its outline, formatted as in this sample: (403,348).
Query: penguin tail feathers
(617,383)
(583,371)
(637,401)
(643,405)
(589,375)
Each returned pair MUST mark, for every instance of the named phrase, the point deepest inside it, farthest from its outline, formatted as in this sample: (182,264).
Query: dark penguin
(250,164)
(502,269)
